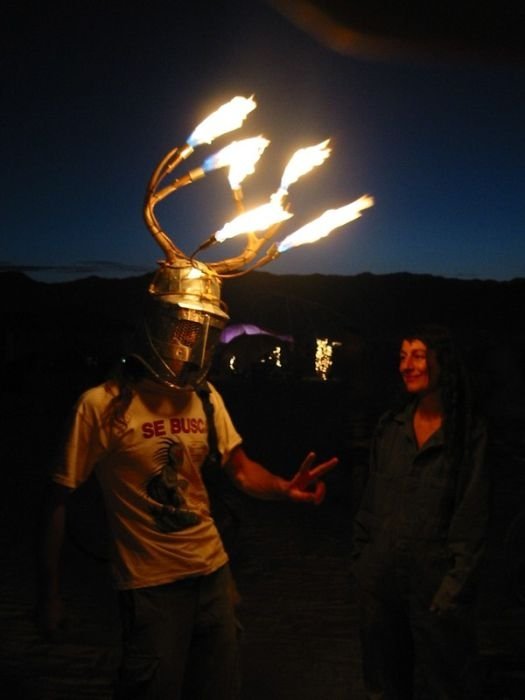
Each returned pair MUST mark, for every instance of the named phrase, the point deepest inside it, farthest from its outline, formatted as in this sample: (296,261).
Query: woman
(420,530)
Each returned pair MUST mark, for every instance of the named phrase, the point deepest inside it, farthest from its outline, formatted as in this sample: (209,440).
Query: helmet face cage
(180,343)
(182,323)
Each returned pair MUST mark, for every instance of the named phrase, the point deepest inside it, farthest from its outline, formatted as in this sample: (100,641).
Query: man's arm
(50,540)
(252,478)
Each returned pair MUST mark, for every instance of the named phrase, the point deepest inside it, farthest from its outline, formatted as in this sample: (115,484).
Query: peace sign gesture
(306,486)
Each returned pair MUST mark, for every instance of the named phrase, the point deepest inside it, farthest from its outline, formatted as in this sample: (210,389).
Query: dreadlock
(126,375)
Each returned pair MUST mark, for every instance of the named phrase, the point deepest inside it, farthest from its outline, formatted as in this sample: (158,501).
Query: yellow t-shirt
(149,471)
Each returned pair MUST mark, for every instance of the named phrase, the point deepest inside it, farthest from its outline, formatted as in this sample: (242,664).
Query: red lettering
(176,425)
(147,430)
(187,425)
(159,428)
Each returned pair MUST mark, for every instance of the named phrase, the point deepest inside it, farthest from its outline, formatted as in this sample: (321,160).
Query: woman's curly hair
(454,384)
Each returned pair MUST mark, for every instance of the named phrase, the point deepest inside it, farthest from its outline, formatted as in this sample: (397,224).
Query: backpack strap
(213,458)
(224,514)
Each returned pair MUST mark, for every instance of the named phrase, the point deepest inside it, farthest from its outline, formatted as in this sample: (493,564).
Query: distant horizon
(105,269)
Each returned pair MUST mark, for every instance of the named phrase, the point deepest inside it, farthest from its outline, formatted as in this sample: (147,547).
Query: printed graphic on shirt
(167,489)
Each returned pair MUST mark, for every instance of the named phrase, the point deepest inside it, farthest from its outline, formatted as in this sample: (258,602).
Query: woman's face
(419,367)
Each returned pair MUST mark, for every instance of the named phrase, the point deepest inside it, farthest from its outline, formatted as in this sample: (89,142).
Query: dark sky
(94,94)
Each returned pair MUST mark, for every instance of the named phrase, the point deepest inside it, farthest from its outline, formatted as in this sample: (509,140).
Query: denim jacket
(417,501)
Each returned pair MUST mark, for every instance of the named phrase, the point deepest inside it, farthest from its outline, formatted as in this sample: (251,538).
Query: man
(148,434)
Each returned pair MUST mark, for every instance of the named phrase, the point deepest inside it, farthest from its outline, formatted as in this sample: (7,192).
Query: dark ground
(292,563)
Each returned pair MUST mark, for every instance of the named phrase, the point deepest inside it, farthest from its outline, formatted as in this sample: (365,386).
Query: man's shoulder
(99,395)
(212,389)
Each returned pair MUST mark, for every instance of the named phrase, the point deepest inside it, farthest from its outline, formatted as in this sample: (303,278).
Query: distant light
(274,357)
(324,356)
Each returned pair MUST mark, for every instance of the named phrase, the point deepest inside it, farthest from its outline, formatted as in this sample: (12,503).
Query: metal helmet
(182,322)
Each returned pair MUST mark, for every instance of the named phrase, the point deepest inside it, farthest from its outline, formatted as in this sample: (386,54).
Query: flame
(240,156)
(227,118)
(302,161)
(258,219)
(325,224)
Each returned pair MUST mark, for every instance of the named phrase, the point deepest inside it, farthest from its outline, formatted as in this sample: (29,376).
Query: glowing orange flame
(227,118)
(325,224)
(241,156)
(258,219)
(303,161)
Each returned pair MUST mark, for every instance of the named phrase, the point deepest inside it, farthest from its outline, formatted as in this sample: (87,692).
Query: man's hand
(306,486)
(252,478)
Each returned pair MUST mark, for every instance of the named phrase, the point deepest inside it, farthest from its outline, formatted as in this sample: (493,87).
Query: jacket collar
(404,418)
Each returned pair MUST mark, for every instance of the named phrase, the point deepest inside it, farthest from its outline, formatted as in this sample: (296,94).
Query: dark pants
(415,655)
(180,640)
(410,653)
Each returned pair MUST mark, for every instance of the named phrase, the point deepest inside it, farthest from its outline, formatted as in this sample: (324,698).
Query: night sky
(94,95)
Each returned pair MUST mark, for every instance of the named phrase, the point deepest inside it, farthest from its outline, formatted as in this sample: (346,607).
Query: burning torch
(260,224)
